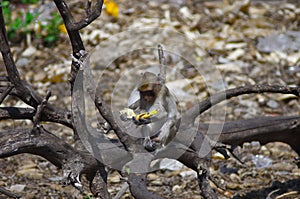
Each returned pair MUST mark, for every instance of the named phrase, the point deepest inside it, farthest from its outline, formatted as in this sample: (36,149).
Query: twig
(38,114)
(162,63)
(122,191)
(9,193)
(6,93)
(70,23)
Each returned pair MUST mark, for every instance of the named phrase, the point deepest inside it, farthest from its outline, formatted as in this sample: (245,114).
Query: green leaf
(29,18)
(50,38)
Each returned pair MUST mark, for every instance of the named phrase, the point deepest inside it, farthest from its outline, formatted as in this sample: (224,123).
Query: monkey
(159,129)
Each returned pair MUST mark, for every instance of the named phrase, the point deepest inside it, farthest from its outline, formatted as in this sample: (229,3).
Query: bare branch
(138,187)
(162,63)
(23,90)
(16,113)
(9,193)
(45,144)
(70,23)
(108,116)
(214,99)
(38,114)
(264,129)
(98,184)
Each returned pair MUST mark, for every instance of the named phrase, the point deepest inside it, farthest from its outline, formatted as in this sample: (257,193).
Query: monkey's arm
(168,130)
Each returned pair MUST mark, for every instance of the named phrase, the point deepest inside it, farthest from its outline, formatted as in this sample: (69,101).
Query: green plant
(19,25)
(29,1)
(88,197)
(50,29)
(23,23)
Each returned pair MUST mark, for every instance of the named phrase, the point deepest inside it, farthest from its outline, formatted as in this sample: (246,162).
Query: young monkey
(155,96)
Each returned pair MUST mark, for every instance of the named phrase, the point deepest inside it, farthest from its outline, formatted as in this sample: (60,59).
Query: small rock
(176,188)
(234,177)
(17,187)
(261,161)
(230,46)
(188,173)
(152,176)
(233,186)
(29,51)
(39,77)
(170,164)
(272,104)
(115,179)
(22,62)
(229,67)
(283,166)
(31,173)
(157,182)
(236,54)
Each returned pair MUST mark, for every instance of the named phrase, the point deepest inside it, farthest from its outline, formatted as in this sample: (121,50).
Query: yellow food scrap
(145,115)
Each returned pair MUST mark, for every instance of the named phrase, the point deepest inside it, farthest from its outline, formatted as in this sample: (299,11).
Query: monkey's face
(148,97)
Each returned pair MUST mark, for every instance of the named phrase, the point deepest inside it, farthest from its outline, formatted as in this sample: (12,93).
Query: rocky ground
(210,45)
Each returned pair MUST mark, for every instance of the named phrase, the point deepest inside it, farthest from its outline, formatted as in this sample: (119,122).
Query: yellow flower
(62,28)
(111,8)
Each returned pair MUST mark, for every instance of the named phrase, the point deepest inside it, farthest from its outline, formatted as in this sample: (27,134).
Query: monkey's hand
(126,114)
(149,144)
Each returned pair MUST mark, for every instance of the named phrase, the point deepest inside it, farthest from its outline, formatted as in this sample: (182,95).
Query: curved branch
(45,144)
(73,28)
(214,99)
(91,16)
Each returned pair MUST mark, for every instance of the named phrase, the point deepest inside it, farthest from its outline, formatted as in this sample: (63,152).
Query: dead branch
(38,114)
(264,130)
(23,90)
(9,193)
(138,187)
(70,23)
(214,99)
(46,145)
(6,93)
(98,184)
(16,113)
(73,28)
